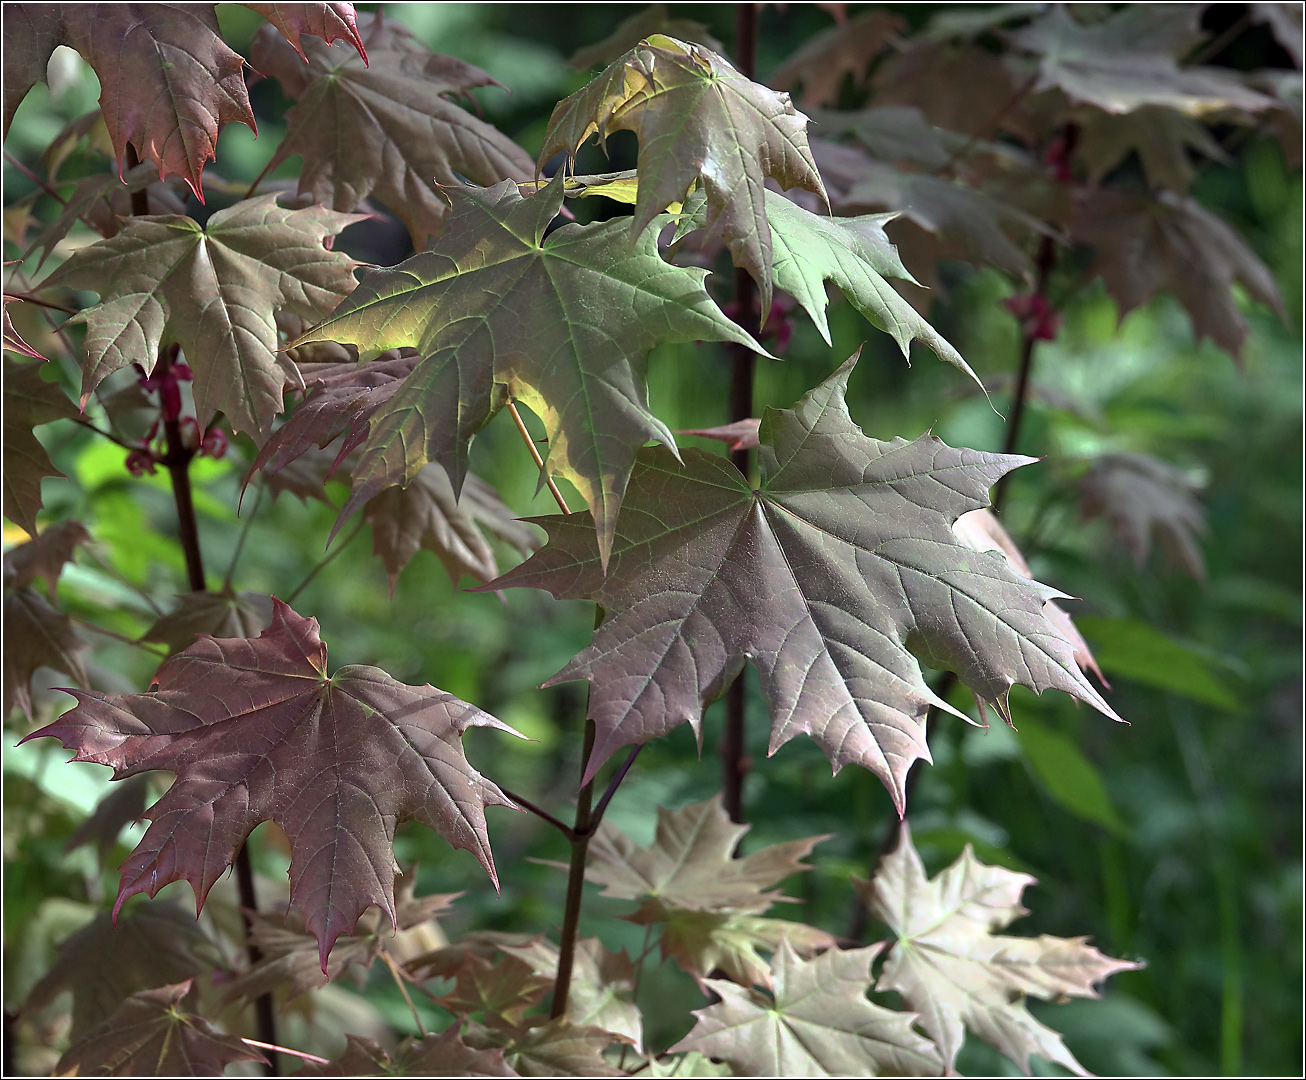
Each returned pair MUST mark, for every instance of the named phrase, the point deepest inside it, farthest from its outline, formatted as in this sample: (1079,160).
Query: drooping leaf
(436,1055)
(36,635)
(819,1023)
(168,83)
(696,118)
(1147,245)
(225,614)
(426,515)
(1142,497)
(1163,139)
(13,340)
(122,806)
(149,1035)
(951,967)
(553,1048)
(594,308)
(1129,59)
(104,964)
(214,290)
(29,401)
(834,578)
(821,63)
(855,254)
(44,557)
(290,961)
(602,992)
(388,130)
(336,761)
(628,33)
(501,989)
(328,21)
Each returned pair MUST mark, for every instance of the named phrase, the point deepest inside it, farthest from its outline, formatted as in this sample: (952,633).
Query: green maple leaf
(708,901)
(214,289)
(256,731)
(29,401)
(950,966)
(833,577)
(36,635)
(563,324)
(435,1055)
(818,1023)
(150,1035)
(388,130)
(1162,138)
(225,614)
(697,120)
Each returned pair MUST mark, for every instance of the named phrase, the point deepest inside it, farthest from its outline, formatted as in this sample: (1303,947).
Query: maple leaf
(949,965)
(13,340)
(821,63)
(150,1036)
(1161,137)
(168,82)
(327,21)
(214,290)
(336,761)
(502,989)
(856,255)
(1141,497)
(290,961)
(603,983)
(104,963)
(595,310)
(435,1055)
(981,530)
(29,401)
(1164,243)
(36,635)
(833,577)
(708,900)
(697,119)
(388,130)
(741,435)
(1127,60)
(44,557)
(225,614)
(819,1023)
(426,515)
(550,1047)
(628,33)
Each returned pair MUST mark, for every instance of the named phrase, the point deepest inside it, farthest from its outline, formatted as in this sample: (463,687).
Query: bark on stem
(575,883)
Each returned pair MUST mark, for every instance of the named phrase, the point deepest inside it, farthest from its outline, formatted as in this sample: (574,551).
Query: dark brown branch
(575,884)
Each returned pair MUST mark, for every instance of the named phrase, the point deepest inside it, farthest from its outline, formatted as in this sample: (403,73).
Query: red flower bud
(140,462)
(214,443)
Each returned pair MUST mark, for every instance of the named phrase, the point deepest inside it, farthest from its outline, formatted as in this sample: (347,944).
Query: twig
(34,178)
(244,535)
(285,1050)
(526,804)
(324,561)
(612,788)
(104,434)
(394,971)
(259,179)
(117,575)
(965,148)
(94,628)
(539,461)
(28,298)
(575,884)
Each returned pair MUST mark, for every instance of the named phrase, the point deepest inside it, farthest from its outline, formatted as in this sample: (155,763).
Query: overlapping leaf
(106,962)
(214,290)
(1142,497)
(950,966)
(819,1023)
(29,401)
(501,989)
(388,130)
(1162,138)
(697,119)
(257,731)
(1128,60)
(44,557)
(563,324)
(225,614)
(602,992)
(149,1035)
(833,578)
(845,49)
(707,901)
(168,82)
(1146,245)
(328,21)
(435,1055)
(36,635)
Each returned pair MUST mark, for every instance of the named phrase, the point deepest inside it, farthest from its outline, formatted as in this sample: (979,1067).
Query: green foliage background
(1176,840)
